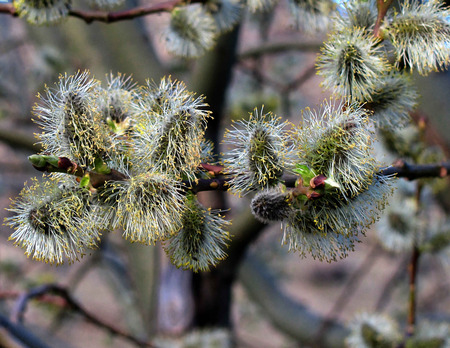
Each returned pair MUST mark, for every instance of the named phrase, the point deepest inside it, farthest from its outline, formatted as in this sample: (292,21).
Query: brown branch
(220,183)
(62,292)
(110,17)
(417,171)
(8,9)
(280,47)
(412,300)
(383,7)
(304,77)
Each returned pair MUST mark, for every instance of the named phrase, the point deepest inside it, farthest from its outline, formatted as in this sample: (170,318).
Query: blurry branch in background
(41,292)
(267,48)
(20,333)
(289,316)
(109,17)
(19,140)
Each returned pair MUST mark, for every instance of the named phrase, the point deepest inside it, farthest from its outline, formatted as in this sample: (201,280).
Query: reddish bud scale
(66,164)
(318,181)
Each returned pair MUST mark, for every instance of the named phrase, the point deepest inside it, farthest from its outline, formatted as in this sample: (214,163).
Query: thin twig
(412,272)
(54,289)
(304,77)
(110,17)
(21,334)
(220,183)
(280,47)
(412,299)
(383,7)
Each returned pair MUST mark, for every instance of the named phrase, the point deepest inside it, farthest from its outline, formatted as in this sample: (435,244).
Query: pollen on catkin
(393,100)
(43,12)
(117,105)
(169,133)
(336,141)
(70,120)
(420,34)
(261,152)
(200,243)
(52,222)
(356,14)
(351,64)
(148,207)
(328,227)
(191,31)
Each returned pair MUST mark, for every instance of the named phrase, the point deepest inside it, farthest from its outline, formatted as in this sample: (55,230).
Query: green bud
(306,173)
(85,181)
(37,160)
(52,160)
(100,166)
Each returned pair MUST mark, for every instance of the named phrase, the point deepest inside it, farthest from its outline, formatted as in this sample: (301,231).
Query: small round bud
(318,182)
(272,205)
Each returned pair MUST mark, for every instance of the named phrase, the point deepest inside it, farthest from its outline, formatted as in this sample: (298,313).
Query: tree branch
(57,290)
(279,47)
(21,333)
(290,317)
(220,182)
(110,17)
(416,171)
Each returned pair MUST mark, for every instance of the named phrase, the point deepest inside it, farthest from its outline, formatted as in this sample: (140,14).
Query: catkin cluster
(152,139)
(320,178)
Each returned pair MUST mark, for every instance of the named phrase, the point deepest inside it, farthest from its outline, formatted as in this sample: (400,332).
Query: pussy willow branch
(413,269)
(110,17)
(219,181)
(57,290)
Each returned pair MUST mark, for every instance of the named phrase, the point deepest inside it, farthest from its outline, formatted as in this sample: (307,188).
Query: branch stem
(412,300)
(110,17)
(73,305)
(383,7)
